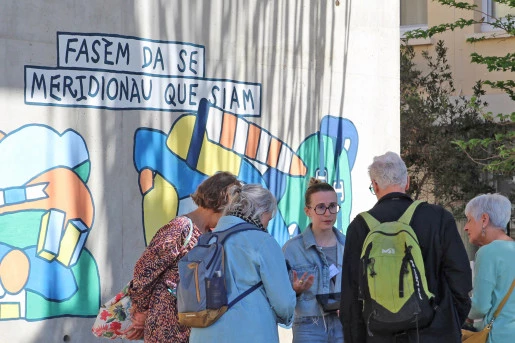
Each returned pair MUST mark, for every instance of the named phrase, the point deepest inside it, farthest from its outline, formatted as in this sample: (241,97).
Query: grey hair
(388,169)
(497,206)
(251,200)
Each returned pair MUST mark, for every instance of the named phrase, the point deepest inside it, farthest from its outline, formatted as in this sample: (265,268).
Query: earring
(483,232)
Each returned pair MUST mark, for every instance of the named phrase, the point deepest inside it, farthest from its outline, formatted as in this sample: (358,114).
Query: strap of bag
(235,229)
(371,221)
(244,294)
(405,218)
(222,236)
(408,214)
(190,233)
(504,300)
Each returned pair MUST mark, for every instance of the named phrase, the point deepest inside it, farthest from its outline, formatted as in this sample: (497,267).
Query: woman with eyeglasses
(314,261)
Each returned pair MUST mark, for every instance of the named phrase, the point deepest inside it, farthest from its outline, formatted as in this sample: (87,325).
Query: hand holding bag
(482,336)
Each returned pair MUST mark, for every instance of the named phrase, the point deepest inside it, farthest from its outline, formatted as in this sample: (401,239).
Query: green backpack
(393,283)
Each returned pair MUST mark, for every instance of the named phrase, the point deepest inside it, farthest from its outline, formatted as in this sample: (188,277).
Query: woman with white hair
(250,257)
(487,220)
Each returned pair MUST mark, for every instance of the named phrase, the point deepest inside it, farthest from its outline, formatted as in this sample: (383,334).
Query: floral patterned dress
(155,277)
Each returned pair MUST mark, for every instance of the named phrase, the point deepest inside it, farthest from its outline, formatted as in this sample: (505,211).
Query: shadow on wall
(68,284)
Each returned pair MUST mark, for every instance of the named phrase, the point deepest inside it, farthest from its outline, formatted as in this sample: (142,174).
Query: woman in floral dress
(152,291)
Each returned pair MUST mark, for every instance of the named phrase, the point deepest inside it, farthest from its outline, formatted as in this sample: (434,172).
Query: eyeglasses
(371,188)
(320,209)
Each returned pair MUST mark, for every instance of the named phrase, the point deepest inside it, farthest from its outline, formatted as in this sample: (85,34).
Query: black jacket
(447,267)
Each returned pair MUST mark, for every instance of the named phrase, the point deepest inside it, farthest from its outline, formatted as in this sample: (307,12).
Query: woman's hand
(303,283)
(136,329)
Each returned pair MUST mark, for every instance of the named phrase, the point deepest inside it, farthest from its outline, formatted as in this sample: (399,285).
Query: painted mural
(46,208)
(171,165)
(46,214)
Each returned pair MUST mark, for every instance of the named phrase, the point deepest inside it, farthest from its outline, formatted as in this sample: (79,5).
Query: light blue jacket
(303,255)
(494,272)
(250,257)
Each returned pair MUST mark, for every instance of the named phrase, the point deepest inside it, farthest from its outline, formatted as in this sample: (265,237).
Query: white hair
(497,206)
(388,169)
(251,200)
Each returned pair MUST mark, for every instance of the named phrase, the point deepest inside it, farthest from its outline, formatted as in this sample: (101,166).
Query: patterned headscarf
(239,214)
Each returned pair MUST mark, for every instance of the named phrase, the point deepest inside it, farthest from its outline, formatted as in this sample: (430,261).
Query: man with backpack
(406,275)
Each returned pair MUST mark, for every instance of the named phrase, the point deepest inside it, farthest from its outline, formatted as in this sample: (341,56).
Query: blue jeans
(313,330)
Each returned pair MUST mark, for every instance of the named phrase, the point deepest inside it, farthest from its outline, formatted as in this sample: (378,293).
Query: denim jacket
(250,257)
(303,255)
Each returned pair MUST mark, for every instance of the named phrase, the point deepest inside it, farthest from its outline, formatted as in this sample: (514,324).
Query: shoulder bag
(114,316)
(482,336)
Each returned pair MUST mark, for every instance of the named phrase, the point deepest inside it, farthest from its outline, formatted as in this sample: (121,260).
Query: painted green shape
(291,204)
(83,171)
(20,229)
(85,303)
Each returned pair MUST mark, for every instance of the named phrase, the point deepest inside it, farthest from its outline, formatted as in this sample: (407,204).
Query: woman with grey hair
(487,220)
(250,257)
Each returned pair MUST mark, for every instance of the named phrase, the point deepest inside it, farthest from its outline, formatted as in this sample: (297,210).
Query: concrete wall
(103,134)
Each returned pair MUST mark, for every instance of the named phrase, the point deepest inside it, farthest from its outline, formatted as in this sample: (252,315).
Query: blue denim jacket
(250,257)
(303,255)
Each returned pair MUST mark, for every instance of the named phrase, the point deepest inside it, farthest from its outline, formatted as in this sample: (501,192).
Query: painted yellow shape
(214,158)
(9,311)
(42,238)
(69,242)
(160,205)
(14,271)
(180,135)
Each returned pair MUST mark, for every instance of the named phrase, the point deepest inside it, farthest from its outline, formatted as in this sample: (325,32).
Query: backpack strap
(223,235)
(408,214)
(405,218)
(244,294)
(371,221)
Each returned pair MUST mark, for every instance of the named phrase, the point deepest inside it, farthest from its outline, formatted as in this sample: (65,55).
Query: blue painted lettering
(83,50)
(182,65)
(95,51)
(145,62)
(193,61)
(217,89)
(67,84)
(170,95)
(148,58)
(93,82)
(39,83)
(107,52)
(234,98)
(69,48)
(246,97)
(55,85)
(109,83)
(123,52)
(80,78)
(159,58)
(193,94)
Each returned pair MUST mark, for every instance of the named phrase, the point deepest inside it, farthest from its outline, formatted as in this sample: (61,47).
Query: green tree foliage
(431,119)
(496,153)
